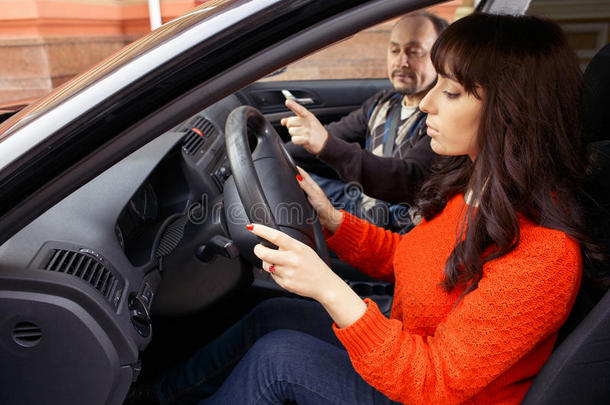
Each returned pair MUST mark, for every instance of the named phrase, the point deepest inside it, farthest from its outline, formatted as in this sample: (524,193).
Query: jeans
(348,196)
(283,350)
(341,195)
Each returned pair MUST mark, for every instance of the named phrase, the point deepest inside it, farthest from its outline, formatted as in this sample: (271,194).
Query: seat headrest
(596,109)
(597,97)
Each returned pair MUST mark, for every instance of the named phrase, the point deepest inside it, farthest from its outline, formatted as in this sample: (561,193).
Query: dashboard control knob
(140,318)
(217,245)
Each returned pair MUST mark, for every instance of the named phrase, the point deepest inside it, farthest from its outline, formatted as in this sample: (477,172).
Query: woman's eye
(451,95)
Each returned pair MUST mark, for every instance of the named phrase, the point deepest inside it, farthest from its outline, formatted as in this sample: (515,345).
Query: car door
(327,99)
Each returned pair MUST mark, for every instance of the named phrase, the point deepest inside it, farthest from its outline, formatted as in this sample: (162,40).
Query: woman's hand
(297,268)
(330,217)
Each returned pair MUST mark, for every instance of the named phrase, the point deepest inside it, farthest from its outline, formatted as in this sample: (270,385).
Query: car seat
(578,370)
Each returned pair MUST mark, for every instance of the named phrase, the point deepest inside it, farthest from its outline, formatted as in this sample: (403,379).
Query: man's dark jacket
(390,179)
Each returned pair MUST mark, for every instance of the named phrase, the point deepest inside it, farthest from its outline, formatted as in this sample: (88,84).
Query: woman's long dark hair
(531,157)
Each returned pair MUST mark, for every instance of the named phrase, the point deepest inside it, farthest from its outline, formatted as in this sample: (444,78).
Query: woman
(482,284)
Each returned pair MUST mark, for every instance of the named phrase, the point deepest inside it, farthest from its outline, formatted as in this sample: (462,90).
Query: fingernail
(249,227)
(271,269)
(299,177)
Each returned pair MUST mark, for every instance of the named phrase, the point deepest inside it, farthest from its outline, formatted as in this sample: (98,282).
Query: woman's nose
(424,104)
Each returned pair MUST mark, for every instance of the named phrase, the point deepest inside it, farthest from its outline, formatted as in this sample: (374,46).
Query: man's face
(409,67)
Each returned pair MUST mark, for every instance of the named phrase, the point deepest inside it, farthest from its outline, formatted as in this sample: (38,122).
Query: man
(382,145)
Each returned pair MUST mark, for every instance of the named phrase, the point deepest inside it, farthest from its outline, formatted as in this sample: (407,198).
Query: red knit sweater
(484,350)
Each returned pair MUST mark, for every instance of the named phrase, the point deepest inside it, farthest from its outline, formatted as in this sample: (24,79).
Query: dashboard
(112,239)
(154,237)
(193,170)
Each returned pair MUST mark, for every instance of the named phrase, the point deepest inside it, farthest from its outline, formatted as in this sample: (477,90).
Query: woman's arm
(357,242)
(297,268)
(520,303)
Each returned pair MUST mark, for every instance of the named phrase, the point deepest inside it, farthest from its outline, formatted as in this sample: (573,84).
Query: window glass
(361,56)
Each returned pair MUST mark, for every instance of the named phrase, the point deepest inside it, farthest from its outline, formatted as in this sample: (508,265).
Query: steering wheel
(263,187)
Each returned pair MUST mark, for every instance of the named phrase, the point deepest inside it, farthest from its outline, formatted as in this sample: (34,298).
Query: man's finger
(293,121)
(297,108)
(298,131)
(299,140)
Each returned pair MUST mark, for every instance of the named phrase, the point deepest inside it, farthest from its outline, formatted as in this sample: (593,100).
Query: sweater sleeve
(354,164)
(521,301)
(367,247)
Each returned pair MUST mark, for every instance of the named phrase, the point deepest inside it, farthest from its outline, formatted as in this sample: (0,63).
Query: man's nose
(403,59)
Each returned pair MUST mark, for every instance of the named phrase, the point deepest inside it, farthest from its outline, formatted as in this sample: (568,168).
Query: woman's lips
(431,131)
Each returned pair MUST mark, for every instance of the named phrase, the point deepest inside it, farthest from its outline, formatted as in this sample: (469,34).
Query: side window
(362,56)
(586,39)
(585,23)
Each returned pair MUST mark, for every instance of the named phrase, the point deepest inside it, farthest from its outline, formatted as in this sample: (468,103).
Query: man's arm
(351,128)
(393,180)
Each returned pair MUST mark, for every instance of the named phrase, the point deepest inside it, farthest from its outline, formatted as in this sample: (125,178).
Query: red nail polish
(249,227)
(271,269)
(299,177)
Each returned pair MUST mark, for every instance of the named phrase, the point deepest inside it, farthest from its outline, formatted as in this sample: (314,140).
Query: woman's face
(453,118)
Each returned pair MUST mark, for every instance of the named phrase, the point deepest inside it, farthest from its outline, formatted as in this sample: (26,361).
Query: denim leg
(341,195)
(287,365)
(205,371)
(400,218)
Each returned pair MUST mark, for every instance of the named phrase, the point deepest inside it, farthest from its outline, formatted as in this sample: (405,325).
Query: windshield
(112,63)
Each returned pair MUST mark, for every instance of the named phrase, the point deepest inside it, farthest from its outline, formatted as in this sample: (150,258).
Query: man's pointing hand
(305,129)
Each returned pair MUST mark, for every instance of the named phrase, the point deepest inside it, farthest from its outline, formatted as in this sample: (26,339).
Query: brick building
(44,43)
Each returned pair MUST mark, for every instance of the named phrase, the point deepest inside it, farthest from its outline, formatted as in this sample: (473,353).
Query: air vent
(89,269)
(27,334)
(199,131)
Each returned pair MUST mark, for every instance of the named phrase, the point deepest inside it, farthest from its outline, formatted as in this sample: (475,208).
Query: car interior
(177,267)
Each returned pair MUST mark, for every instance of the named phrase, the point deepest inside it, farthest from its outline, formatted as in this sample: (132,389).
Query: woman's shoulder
(542,249)
(544,269)
(537,237)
